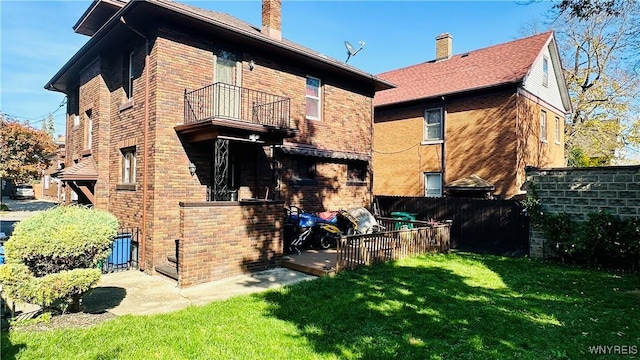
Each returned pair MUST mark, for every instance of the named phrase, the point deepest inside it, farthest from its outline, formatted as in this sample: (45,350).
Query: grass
(456,306)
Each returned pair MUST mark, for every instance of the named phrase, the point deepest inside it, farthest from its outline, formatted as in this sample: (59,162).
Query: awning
(84,170)
(473,182)
(323,153)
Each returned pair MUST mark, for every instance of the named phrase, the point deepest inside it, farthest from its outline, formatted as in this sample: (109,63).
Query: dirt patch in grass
(64,321)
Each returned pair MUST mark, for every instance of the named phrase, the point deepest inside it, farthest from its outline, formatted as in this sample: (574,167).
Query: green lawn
(457,306)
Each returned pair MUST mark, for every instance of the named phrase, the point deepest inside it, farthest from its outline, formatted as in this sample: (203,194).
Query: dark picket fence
(498,227)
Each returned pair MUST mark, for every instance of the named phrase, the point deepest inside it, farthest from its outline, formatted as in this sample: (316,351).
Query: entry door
(227,75)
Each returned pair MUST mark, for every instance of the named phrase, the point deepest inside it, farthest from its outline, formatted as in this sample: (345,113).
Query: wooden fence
(412,239)
(497,227)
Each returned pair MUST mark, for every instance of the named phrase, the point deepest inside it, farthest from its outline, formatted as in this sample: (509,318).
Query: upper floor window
(312,95)
(543,126)
(433,124)
(128,165)
(557,131)
(128,75)
(432,184)
(545,71)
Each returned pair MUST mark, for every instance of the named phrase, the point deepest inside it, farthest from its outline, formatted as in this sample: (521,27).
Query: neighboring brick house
(199,128)
(50,186)
(488,112)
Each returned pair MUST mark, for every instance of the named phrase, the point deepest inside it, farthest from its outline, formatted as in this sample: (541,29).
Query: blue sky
(37,39)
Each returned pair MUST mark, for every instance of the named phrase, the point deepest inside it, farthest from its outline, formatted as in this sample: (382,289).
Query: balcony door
(227,70)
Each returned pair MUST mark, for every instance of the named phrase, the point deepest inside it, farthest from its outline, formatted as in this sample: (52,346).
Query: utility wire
(395,152)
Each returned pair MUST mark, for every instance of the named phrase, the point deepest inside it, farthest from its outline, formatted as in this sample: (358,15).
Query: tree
(24,151)
(48,125)
(598,45)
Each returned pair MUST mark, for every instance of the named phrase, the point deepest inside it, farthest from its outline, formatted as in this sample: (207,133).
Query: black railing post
(177,255)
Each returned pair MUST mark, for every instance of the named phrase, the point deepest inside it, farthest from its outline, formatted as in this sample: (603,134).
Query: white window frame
(76,121)
(427,126)
(318,98)
(545,71)
(128,165)
(429,189)
(543,126)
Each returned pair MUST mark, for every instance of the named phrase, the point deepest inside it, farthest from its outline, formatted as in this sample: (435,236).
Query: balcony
(222,108)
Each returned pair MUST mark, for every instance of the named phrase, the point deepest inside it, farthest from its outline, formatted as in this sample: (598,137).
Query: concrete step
(168,271)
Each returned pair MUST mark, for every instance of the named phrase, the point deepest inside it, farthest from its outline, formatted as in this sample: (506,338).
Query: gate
(124,251)
(498,227)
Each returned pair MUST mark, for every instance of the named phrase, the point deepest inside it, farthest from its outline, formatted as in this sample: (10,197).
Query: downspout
(444,143)
(143,241)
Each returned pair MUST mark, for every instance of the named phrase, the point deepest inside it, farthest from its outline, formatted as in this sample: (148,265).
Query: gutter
(104,30)
(144,143)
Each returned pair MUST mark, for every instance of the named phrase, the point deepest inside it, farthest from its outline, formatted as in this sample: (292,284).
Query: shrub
(62,238)
(52,256)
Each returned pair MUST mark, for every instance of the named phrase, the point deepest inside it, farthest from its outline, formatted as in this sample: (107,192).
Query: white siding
(533,83)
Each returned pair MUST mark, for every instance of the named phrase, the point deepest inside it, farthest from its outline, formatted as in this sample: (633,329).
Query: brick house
(472,119)
(50,186)
(200,128)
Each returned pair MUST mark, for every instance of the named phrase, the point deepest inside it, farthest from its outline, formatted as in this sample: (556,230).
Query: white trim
(425,176)
(425,138)
(318,98)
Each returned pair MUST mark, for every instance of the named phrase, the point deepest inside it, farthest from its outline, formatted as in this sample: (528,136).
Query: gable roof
(141,12)
(493,66)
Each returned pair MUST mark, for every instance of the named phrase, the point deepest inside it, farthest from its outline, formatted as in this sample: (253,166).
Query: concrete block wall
(580,191)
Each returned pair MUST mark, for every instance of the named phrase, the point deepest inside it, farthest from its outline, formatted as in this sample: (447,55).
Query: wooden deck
(312,261)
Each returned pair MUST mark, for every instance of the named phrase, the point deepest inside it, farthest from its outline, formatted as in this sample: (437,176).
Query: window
(313,98)
(128,166)
(47,182)
(545,71)
(557,130)
(432,184)
(88,140)
(357,172)
(433,124)
(128,75)
(303,170)
(543,126)
(76,121)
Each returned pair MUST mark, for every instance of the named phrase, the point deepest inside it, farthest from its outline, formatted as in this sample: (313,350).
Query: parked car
(22,191)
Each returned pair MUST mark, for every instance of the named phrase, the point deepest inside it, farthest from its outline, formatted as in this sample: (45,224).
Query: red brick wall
(181,60)
(219,240)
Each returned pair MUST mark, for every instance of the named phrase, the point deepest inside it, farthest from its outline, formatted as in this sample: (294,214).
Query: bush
(62,238)
(52,256)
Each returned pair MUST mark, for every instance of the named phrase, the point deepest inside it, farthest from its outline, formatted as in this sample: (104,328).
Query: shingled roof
(84,170)
(502,64)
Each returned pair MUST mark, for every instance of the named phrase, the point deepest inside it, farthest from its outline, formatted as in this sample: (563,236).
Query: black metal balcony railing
(222,100)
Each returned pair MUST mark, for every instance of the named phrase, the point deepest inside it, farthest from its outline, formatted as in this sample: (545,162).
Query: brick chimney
(272,18)
(443,46)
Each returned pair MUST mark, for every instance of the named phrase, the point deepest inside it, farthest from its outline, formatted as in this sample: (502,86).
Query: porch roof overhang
(235,130)
(84,170)
(302,150)
(470,183)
